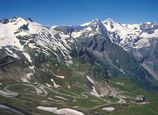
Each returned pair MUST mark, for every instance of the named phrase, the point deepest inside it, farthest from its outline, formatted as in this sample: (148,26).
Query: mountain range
(80,67)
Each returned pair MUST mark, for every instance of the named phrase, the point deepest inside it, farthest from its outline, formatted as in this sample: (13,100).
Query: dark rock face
(148,27)
(64,29)
(4,21)
(30,19)
(98,50)
(24,27)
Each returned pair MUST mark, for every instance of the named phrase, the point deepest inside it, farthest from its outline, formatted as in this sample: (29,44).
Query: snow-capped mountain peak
(96,25)
(18,33)
(26,39)
(16,19)
(125,35)
(114,26)
(91,23)
(89,29)
(95,22)
(8,30)
(109,20)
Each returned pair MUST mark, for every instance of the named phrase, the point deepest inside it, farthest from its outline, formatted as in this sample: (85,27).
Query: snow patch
(61,97)
(55,85)
(119,83)
(48,85)
(32,67)
(109,109)
(59,76)
(62,111)
(27,56)
(91,80)
(25,80)
(122,70)
(11,53)
(29,75)
(95,93)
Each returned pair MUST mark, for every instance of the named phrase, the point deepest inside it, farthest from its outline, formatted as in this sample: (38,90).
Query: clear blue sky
(71,12)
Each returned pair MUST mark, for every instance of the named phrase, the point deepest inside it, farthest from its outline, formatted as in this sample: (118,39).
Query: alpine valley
(96,68)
